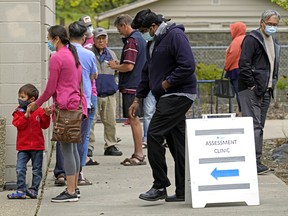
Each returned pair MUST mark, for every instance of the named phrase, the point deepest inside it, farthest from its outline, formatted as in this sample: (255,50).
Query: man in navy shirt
(169,73)
(130,67)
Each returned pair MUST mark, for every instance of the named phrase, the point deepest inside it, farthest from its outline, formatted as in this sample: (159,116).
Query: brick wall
(2,152)
(23,59)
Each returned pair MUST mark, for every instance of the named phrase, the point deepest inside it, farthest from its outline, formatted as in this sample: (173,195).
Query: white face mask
(90,30)
(146,36)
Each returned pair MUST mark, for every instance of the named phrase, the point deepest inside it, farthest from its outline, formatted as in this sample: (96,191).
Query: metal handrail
(195,108)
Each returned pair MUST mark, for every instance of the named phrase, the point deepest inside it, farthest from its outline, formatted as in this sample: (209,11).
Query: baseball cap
(99,31)
(86,19)
(163,18)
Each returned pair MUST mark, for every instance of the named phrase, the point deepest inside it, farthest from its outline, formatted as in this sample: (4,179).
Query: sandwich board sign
(220,161)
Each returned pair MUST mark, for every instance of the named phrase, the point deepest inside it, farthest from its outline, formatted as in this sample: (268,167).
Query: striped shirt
(130,51)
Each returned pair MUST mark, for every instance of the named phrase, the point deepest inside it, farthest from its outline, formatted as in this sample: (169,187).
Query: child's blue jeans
(23,158)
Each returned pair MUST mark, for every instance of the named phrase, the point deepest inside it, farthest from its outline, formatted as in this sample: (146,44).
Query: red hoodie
(30,135)
(233,52)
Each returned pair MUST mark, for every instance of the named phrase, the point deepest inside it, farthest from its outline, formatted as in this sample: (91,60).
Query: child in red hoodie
(30,141)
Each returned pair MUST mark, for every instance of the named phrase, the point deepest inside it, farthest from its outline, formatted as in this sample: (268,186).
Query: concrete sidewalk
(116,188)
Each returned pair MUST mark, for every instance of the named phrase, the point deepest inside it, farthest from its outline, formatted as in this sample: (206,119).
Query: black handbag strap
(222,76)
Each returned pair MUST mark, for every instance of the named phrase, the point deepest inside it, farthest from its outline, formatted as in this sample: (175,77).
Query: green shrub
(282,83)
(207,72)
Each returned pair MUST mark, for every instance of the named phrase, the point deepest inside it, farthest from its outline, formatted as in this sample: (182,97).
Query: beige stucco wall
(204,14)
(23,59)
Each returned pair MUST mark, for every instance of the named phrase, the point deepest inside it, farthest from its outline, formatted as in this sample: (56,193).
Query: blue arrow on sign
(224,173)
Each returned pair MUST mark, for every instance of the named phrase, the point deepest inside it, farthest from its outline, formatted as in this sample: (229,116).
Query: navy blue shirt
(131,79)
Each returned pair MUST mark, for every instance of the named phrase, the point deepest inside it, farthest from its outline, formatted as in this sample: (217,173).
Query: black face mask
(23,104)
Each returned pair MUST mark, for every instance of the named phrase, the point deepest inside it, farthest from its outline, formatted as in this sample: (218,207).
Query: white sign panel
(220,161)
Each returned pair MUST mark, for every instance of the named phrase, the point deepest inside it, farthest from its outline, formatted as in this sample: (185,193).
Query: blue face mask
(23,104)
(146,36)
(51,46)
(270,30)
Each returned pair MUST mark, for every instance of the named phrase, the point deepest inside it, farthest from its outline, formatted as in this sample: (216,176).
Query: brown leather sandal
(91,162)
(132,162)
(60,180)
(83,182)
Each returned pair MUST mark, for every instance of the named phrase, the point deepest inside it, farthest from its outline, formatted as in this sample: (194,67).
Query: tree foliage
(281,3)
(74,9)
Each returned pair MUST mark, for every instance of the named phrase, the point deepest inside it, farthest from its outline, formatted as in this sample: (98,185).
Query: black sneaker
(77,191)
(65,197)
(261,169)
(113,151)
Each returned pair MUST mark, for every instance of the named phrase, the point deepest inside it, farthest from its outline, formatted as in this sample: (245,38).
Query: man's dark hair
(30,90)
(138,19)
(151,18)
(77,29)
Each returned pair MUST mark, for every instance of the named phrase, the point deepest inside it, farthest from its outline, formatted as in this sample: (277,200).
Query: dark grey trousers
(256,107)
(168,122)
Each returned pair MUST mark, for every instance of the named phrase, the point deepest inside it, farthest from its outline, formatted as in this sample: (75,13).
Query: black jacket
(172,60)
(254,64)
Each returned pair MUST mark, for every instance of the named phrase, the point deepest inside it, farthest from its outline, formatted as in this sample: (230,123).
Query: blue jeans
(149,106)
(91,115)
(23,157)
(59,165)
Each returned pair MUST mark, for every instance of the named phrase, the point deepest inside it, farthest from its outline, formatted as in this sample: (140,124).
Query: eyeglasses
(271,24)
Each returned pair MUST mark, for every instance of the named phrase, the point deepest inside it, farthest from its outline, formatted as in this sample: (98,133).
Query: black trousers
(168,122)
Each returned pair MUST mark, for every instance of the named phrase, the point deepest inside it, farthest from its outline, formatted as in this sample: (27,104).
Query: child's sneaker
(17,195)
(32,193)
